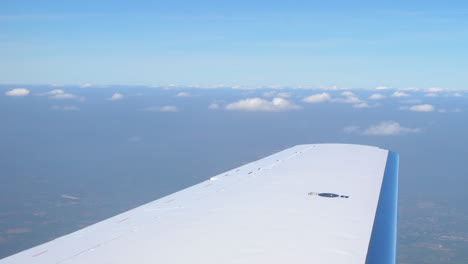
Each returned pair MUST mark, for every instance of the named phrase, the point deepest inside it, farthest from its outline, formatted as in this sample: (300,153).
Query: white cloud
(400,94)
(261,105)
(17,92)
(183,94)
(410,89)
(331,88)
(56,91)
(213,106)
(317,98)
(167,108)
(388,128)
(457,94)
(456,110)
(349,98)
(276,94)
(435,90)
(86,85)
(382,88)
(57,85)
(65,108)
(431,95)
(215,86)
(361,105)
(376,97)
(52,92)
(422,108)
(115,97)
(66,96)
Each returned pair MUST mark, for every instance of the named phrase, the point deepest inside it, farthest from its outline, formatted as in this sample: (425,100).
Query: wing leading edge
(324,203)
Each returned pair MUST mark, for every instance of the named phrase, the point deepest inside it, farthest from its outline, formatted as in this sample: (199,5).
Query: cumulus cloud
(261,105)
(348,97)
(431,95)
(52,92)
(422,108)
(386,128)
(167,108)
(17,92)
(65,108)
(86,85)
(183,94)
(317,98)
(400,94)
(116,97)
(377,96)
(213,106)
(59,94)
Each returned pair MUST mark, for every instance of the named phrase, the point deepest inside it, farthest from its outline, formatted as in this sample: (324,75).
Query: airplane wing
(324,203)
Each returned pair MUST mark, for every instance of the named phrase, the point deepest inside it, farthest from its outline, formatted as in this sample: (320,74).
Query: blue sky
(312,43)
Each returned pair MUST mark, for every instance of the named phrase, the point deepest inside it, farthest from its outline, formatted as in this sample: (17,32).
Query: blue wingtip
(382,246)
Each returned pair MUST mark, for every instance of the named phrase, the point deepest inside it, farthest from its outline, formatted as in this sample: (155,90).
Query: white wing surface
(306,204)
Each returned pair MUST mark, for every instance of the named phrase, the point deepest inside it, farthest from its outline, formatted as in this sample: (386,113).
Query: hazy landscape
(72,156)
